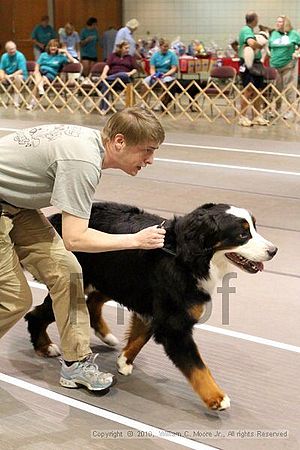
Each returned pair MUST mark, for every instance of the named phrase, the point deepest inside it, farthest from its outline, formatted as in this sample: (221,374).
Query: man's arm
(77,236)
(254,44)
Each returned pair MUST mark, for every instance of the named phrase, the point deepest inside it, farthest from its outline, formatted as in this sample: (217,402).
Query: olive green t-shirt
(282,46)
(57,165)
(245,34)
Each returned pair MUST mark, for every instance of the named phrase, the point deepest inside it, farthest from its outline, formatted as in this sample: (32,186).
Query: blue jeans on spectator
(123,76)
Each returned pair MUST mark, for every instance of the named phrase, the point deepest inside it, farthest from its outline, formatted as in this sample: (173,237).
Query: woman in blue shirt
(49,65)
(89,38)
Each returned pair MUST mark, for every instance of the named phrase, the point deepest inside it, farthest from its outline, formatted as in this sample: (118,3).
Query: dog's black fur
(163,287)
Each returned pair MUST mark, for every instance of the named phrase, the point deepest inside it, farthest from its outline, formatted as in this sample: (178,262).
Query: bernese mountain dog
(166,289)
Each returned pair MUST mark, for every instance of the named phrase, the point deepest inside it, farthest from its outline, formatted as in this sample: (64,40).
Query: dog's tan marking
(138,334)
(95,303)
(206,387)
(197,311)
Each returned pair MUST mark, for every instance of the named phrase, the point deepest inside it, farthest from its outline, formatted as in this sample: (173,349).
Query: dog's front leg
(182,350)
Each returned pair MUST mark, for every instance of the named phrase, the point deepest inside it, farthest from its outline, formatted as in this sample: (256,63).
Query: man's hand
(150,238)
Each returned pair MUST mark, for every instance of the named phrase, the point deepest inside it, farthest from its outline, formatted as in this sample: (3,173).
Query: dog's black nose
(272,252)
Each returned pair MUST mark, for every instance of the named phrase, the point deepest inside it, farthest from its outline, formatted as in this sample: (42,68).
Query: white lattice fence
(176,100)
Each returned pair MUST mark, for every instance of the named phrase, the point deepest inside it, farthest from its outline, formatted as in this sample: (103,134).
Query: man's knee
(69,270)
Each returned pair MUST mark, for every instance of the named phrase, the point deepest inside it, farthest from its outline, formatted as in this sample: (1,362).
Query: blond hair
(69,26)
(137,125)
(287,26)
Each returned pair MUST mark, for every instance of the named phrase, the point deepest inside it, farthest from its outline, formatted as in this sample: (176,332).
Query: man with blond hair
(61,165)
(13,69)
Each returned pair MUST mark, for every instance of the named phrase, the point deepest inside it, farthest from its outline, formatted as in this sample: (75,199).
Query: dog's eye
(243,236)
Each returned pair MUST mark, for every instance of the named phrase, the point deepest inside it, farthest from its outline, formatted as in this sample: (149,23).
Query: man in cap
(125,34)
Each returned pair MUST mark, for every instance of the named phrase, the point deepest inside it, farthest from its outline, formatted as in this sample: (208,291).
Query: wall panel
(17,19)
(108,13)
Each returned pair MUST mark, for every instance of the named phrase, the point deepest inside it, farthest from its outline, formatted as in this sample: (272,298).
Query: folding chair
(88,83)
(71,71)
(221,77)
(30,67)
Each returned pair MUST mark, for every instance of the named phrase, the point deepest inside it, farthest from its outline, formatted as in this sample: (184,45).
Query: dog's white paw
(223,404)
(109,339)
(49,351)
(123,367)
(53,350)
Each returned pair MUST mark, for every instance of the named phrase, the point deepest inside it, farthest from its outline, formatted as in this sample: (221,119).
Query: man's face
(11,49)
(133,158)
(255,22)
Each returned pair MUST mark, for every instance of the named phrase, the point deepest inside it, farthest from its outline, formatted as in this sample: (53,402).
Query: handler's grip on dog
(151,237)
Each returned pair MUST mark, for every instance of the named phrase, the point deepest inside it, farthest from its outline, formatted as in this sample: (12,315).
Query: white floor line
(96,411)
(230,149)
(212,329)
(249,337)
(226,166)
(207,147)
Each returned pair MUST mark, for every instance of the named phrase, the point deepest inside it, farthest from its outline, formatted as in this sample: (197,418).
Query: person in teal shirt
(13,69)
(283,43)
(163,67)
(48,67)
(41,35)
(247,37)
(89,40)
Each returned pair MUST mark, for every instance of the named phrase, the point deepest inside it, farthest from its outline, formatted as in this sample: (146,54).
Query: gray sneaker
(85,373)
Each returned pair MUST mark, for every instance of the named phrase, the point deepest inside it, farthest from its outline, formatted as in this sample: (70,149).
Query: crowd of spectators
(124,56)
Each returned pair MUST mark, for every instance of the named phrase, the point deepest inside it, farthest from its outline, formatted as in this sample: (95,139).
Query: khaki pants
(27,237)
(286,76)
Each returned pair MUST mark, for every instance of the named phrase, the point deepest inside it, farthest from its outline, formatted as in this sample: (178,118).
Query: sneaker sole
(75,384)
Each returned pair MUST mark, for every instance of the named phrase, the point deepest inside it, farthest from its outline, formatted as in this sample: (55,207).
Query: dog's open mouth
(244,263)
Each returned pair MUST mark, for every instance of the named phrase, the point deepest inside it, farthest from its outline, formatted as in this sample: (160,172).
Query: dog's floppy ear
(194,233)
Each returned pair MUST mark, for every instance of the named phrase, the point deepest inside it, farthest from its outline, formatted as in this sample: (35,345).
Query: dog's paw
(219,404)
(49,351)
(109,339)
(123,367)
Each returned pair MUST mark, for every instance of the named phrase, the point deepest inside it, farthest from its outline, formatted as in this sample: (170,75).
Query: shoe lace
(91,369)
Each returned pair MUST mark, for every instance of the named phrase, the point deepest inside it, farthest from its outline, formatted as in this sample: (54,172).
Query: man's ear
(119,142)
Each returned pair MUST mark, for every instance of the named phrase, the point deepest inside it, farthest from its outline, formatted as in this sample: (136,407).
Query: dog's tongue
(260,266)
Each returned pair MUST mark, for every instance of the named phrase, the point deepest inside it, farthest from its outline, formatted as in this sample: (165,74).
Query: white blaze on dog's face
(255,250)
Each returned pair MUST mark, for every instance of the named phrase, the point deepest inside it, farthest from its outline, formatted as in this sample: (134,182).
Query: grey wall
(218,20)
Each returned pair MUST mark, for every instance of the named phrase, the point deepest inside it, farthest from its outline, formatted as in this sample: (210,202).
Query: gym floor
(252,347)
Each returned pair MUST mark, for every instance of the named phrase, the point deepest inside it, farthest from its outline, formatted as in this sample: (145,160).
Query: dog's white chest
(218,268)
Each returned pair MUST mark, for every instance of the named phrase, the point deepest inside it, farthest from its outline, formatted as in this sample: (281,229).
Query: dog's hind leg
(182,350)
(38,320)
(95,302)
(139,334)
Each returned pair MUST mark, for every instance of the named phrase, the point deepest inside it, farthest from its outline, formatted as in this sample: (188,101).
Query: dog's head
(224,230)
